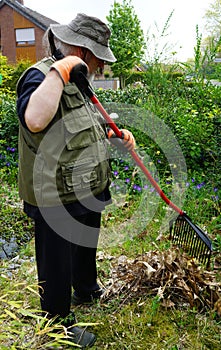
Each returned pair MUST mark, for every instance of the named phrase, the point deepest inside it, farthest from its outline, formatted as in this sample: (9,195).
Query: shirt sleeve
(32,80)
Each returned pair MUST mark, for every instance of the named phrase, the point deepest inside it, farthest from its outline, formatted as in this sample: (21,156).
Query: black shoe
(81,337)
(76,334)
(88,299)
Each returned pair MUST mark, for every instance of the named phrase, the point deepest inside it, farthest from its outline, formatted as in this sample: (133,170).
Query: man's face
(93,63)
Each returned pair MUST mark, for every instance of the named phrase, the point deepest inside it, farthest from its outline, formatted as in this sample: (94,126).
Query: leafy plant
(8,138)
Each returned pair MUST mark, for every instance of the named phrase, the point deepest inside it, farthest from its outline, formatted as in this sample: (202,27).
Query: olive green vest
(68,161)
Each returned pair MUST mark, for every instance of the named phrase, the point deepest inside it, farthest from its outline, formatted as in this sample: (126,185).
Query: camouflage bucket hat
(86,31)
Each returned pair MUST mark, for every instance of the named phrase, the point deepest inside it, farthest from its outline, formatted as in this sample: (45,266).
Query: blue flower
(199,186)
(137,188)
(11,149)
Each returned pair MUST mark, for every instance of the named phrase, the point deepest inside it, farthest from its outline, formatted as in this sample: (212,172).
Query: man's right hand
(64,67)
(128,141)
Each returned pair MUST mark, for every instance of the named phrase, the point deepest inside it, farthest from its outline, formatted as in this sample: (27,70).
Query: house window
(25,36)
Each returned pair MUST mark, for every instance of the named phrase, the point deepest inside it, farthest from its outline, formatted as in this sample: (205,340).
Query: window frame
(29,38)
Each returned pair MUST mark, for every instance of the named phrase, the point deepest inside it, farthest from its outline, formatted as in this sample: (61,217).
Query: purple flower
(127,181)
(126,167)
(199,186)
(11,149)
(215,189)
(137,188)
(187,184)
(115,173)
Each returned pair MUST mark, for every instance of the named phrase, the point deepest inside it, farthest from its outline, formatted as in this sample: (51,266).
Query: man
(64,171)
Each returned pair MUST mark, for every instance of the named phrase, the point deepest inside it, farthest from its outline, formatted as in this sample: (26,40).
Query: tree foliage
(127,39)
(213,19)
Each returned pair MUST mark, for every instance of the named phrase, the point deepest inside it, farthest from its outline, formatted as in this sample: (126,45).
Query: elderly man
(64,172)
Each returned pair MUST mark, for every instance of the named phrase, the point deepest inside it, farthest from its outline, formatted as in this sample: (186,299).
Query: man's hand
(65,66)
(128,140)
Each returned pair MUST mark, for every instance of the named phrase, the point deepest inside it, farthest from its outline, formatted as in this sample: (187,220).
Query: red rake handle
(78,76)
(135,156)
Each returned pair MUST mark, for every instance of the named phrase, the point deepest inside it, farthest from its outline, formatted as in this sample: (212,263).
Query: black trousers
(63,264)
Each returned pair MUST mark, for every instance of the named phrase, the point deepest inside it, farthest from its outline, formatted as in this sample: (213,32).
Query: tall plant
(158,49)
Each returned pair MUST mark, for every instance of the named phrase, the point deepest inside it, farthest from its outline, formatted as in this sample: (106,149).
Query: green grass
(136,324)
(121,322)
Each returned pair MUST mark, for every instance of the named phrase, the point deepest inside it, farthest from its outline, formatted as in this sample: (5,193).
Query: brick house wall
(9,20)
(16,16)
(7,33)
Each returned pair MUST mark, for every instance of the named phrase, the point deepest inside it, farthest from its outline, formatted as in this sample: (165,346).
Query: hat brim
(68,36)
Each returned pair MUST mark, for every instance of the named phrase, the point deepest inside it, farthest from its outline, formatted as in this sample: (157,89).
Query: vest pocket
(82,127)
(79,129)
(80,175)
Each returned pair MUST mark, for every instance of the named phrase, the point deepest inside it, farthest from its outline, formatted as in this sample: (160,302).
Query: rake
(183,232)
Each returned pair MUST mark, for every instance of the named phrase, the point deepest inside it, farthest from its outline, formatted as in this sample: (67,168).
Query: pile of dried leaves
(174,277)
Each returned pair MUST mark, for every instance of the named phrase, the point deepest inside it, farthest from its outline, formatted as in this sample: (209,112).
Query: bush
(20,67)
(192,114)
(8,118)
(11,73)
(8,138)
(6,74)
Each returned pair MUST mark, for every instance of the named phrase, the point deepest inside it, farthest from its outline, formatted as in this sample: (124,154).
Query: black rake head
(191,239)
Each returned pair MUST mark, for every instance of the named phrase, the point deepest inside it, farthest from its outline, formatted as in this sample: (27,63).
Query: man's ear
(82,52)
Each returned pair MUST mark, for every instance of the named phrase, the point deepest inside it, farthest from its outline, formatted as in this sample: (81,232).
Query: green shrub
(192,114)
(11,73)
(6,74)
(19,68)
(8,138)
